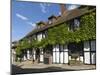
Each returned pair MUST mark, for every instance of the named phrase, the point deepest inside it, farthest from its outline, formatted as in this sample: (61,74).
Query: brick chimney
(41,24)
(63,8)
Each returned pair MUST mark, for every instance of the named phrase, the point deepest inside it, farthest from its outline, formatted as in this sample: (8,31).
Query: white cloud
(43,7)
(32,24)
(72,7)
(21,16)
(26,20)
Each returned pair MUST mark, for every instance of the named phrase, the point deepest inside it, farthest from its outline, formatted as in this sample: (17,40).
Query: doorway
(76,52)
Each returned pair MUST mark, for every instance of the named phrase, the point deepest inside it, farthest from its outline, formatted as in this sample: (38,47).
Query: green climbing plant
(22,45)
(26,44)
(58,35)
(61,35)
(88,26)
(18,50)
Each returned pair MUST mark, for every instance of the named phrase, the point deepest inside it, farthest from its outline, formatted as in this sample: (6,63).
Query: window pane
(86,46)
(54,48)
(61,57)
(65,57)
(76,23)
(93,46)
(65,48)
(61,47)
(57,57)
(54,57)
(93,58)
(87,57)
(57,47)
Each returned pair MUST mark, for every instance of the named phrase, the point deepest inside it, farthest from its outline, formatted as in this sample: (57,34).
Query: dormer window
(52,19)
(40,24)
(76,23)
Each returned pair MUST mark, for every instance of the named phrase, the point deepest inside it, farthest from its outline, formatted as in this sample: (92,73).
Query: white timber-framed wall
(39,37)
(13,55)
(41,56)
(90,52)
(93,52)
(60,54)
(34,54)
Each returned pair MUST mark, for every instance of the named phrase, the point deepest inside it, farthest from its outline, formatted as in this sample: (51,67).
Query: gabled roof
(52,16)
(41,22)
(65,17)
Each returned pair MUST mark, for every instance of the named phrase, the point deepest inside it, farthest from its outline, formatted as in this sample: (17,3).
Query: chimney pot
(63,8)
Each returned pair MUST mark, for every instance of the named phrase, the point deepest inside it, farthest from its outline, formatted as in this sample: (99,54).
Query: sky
(25,15)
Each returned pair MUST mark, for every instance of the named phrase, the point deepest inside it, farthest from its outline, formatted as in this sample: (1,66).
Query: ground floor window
(90,52)
(60,54)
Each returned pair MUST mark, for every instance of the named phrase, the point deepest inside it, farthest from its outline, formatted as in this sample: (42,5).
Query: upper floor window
(34,37)
(39,36)
(46,33)
(43,34)
(76,23)
(52,19)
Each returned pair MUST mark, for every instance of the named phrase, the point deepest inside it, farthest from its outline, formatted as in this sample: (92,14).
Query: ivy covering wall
(61,35)
(22,45)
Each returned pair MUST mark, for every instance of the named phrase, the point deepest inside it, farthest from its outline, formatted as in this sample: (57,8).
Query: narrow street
(28,67)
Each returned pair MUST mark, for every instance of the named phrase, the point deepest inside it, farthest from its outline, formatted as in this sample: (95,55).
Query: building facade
(83,52)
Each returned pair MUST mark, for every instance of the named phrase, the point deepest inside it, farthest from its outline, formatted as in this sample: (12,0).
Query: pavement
(29,67)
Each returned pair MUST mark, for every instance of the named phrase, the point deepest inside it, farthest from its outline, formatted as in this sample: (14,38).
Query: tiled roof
(65,17)
(52,16)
